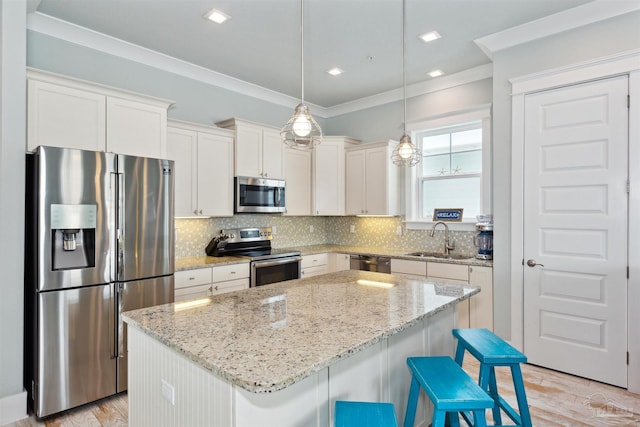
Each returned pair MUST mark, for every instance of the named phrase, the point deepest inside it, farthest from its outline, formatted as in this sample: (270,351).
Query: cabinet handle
(232,272)
(200,211)
(195,211)
(216,288)
(192,278)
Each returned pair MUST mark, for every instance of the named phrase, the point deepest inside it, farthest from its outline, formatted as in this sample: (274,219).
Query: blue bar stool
(450,389)
(492,351)
(364,414)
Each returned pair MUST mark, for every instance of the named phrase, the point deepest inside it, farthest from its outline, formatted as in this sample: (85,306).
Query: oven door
(275,270)
(259,195)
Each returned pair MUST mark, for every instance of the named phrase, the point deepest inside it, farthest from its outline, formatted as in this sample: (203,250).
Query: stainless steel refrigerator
(99,241)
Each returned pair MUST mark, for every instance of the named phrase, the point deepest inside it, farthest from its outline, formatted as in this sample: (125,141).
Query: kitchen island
(280,355)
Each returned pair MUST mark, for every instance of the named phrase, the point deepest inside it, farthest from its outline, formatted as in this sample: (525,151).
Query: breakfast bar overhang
(281,355)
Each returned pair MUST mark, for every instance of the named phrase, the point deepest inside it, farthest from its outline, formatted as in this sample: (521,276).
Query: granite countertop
(208,261)
(265,339)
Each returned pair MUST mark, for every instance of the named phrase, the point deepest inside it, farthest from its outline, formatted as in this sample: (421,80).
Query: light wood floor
(555,399)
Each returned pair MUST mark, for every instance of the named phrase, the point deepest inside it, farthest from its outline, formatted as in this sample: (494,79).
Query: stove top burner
(254,243)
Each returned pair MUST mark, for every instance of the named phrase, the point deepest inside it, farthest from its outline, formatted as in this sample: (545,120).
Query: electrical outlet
(399,230)
(168,392)
(311,229)
(273,230)
(352,228)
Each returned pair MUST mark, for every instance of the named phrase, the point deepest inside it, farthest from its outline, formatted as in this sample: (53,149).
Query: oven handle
(262,264)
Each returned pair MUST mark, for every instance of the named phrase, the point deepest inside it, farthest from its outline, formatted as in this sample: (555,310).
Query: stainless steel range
(268,265)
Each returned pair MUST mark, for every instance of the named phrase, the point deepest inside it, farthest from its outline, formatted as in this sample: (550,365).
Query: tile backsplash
(193,235)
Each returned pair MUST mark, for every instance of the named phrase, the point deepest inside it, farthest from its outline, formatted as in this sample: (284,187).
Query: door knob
(533,263)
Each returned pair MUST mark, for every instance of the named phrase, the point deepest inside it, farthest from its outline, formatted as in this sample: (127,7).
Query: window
(454,170)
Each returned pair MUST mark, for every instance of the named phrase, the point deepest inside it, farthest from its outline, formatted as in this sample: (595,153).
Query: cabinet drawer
(405,266)
(314,260)
(229,286)
(448,271)
(186,278)
(192,292)
(230,272)
(313,271)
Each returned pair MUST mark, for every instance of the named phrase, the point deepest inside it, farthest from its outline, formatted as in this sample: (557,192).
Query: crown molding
(72,33)
(569,19)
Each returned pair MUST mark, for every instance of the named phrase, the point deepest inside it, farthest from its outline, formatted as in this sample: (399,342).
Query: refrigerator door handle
(119,291)
(112,321)
(119,227)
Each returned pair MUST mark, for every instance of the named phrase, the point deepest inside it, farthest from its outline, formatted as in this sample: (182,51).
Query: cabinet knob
(200,211)
(216,288)
(232,272)
(192,278)
(195,211)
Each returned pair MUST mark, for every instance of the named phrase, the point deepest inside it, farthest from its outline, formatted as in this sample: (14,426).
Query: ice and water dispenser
(73,236)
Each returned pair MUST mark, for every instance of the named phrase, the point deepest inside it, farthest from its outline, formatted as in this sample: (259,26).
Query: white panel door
(215,175)
(272,154)
(356,186)
(376,181)
(575,229)
(136,129)
(182,148)
(248,150)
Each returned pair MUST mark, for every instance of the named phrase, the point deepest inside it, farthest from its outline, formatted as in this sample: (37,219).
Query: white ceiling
(261,42)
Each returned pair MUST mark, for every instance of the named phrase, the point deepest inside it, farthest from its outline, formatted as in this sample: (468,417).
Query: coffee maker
(484,239)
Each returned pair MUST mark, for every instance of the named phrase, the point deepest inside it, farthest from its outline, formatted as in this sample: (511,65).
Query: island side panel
(303,404)
(200,398)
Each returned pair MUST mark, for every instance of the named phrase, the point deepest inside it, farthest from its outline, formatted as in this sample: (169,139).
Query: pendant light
(301,131)
(405,154)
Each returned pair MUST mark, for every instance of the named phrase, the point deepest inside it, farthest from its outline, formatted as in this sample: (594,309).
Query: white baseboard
(13,408)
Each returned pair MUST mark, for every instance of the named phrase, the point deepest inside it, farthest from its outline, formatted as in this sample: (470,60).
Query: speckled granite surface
(189,263)
(265,339)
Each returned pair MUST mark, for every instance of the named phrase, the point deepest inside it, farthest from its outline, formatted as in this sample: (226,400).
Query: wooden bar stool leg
(412,403)
(493,392)
(521,396)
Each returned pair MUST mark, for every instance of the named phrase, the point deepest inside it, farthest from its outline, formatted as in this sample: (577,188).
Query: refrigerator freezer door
(144,218)
(76,348)
(132,296)
(73,199)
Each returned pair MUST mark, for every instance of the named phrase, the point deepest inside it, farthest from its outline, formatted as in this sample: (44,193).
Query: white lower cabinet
(408,268)
(477,311)
(339,262)
(314,265)
(208,281)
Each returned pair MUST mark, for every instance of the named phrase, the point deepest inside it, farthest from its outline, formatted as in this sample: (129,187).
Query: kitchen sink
(439,255)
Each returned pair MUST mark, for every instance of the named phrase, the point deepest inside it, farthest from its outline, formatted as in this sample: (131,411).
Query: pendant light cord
(302,49)
(404,66)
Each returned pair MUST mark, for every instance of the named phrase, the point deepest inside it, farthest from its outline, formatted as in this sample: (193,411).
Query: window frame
(413,196)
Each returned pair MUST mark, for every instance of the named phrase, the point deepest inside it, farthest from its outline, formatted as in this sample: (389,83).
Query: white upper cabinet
(329,175)
(297,167)
(259,150)
(373,181)
(136,129)
(71,113)
(203,157)
(61,116)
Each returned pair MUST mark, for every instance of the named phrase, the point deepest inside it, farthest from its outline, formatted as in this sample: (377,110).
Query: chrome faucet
(448,245)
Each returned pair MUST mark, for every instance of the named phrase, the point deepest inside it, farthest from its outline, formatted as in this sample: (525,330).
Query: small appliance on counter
(268,265)
(484,240)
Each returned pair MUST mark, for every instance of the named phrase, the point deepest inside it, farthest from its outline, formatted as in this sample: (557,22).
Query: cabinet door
(481,305)
(59,116)
(136,129)
(375,178)
(215,175)
(329,180)
(339,262)
(248,150)
(182,149)
(298,177)
(272,154)
(355,187)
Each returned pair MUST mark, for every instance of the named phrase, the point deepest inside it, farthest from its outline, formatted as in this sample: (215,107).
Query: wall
(384,122)
(12,171)
(582,44)
(193,235)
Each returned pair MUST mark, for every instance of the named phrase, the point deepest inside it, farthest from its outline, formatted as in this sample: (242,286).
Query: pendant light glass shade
(301,131)
(406,153)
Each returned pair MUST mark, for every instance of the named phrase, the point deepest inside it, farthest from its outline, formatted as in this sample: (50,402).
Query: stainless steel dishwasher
(371,263)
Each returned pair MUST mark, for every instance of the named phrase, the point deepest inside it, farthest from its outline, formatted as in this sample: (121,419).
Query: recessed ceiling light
(216,16)
(335,71)
(436,73)
(430,36)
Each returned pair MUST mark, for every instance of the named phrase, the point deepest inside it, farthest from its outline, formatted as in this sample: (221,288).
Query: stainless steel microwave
(259,195)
